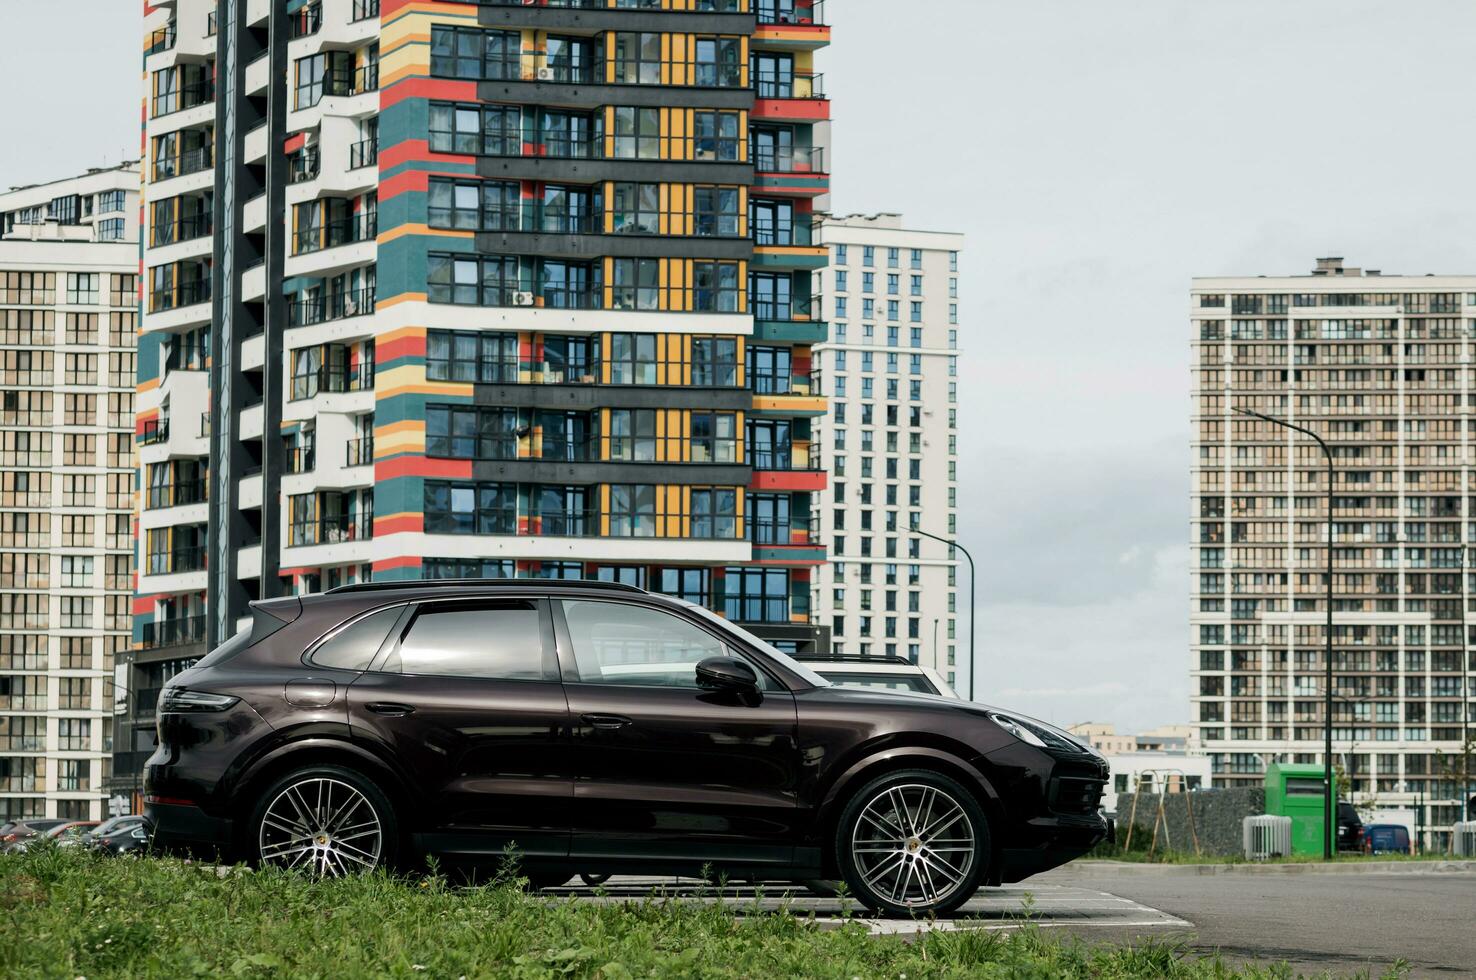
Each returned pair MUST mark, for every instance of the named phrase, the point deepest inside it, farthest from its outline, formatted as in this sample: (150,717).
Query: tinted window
(501,642)
(353,647)
(615,643)
(890,682)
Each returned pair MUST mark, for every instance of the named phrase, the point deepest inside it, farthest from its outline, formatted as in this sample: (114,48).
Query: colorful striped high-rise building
(452,288)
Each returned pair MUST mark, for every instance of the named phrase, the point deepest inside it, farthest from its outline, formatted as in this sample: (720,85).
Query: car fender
(318,741)
(888,757)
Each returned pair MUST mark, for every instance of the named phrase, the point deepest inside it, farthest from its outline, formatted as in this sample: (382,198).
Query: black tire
(821,887)
(888,861)
(594,881)
(357,852)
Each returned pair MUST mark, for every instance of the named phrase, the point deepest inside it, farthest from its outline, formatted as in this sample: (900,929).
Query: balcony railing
(185,294)
(347,231)
(363,10)
(177,560)
(782,532)
(307,21)
(591,371)
(360,451)
(788,85)
(351,81)
(302,459)
(788,161)
(562,146)
(162,495)
(153,432)
(708,6)
(788,12)
(364,154)
(182,230)
(188,162)
(163,39)
(185,97)
(174,632)
(795,460)
(333,380)
(331,530)
(334,306)
(304,165)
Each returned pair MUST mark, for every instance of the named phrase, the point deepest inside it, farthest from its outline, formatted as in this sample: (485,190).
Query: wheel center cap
(323,840)
(914,844)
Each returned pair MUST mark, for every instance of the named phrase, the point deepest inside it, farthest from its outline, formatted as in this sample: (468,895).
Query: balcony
(788,13)
(333,380)
(346,231)
(307,21)
(343,529)
(182,230)
(304,165)
(788,85)
(153,431)
(163,39)
(334,306)
(179,494)
(185,97)
(176,561)
(301,459)
(364,154)
(184,294)
(771,160)
(188,162)
(173,632)
(360,451)
(351,82)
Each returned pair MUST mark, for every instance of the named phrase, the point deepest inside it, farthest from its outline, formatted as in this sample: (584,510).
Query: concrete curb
(1337,867)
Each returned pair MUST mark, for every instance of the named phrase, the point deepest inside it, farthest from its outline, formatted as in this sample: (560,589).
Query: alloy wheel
(323,826)
(914,845)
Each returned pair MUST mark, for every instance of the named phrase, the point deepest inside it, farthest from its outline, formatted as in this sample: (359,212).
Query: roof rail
(451,583)
(851,658)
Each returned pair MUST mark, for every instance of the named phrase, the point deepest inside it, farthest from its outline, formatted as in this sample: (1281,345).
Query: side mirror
(727,674)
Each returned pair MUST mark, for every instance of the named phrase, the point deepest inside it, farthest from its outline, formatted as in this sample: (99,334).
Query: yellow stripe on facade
(399,231)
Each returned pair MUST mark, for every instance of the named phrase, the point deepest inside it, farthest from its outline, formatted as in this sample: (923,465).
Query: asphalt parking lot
(1317,922)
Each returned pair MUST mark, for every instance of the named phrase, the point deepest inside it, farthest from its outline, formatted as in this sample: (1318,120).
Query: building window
(486,357)
(465,52)
(756,595)
(632,511)
(471,432)
(470,508)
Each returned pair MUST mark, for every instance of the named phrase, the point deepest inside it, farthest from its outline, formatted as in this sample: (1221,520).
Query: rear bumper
(181,828)
(1049,842)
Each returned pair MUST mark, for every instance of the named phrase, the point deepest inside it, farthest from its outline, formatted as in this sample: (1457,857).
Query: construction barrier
(1463,839)
(1267,837)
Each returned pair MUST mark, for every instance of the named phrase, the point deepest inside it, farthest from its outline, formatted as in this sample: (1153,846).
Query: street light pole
(973,581)
(1329,813)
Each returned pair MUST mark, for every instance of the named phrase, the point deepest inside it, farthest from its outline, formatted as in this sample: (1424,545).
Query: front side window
(615,643)
(493,641)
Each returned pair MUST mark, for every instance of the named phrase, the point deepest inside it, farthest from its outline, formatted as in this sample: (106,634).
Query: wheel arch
(897,758)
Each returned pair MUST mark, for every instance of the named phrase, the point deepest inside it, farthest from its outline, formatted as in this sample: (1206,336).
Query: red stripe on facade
(399,524)
(428,88)
(413,464)
(408,346)
(801,481)
(419,151)
(294,143)
(400,561)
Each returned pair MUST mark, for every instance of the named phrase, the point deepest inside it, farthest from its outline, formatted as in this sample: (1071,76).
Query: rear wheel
(913,842)
(328,821)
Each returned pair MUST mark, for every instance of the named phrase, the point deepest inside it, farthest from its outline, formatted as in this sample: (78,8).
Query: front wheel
(329,821)
(913,842)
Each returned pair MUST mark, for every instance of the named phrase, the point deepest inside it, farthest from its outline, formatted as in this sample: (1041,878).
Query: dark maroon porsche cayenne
(601,729)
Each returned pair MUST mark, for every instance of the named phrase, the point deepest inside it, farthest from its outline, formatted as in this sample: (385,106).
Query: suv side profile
(601,729)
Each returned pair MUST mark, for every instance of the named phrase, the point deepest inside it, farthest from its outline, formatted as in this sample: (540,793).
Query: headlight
(179,700)
(1018,729)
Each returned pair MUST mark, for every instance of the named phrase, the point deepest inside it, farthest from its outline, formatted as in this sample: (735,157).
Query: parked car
(24,830)
(598,729)
(1350,827)
(1386,838)
(129,840)
(66,833)
(114,826)
(888,673)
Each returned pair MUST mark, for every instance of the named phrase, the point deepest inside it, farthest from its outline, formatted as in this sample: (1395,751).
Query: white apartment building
(890,439)
(1380,367)
(68,319)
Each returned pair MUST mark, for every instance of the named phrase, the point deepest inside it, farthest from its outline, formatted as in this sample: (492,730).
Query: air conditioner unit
(545,74)
(522,299)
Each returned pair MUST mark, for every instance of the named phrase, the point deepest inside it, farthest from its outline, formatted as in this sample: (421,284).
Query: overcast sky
(1097,154)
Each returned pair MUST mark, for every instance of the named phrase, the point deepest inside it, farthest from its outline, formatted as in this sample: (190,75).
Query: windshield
(773,652)
(915,683)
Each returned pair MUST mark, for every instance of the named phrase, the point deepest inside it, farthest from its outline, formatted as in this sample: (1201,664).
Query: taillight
(178,700)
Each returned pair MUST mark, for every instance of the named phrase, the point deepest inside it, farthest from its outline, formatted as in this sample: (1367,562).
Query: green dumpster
(1299,792)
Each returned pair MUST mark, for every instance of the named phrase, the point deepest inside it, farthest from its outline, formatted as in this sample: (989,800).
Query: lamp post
(1329,829)
(973,581)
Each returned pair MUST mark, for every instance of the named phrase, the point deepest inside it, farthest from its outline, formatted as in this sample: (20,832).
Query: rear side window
(353,647)
(497,641)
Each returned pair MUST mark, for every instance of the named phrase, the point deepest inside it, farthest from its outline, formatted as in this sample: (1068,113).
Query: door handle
(391,708)
(608,723)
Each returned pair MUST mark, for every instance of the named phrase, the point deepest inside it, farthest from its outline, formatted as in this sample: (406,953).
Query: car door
(467,700)
(665,771)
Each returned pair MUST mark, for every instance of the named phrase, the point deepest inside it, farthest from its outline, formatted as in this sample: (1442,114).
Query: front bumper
(1049,842)
(182,828)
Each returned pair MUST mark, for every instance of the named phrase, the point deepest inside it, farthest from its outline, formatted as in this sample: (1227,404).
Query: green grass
(65,914)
